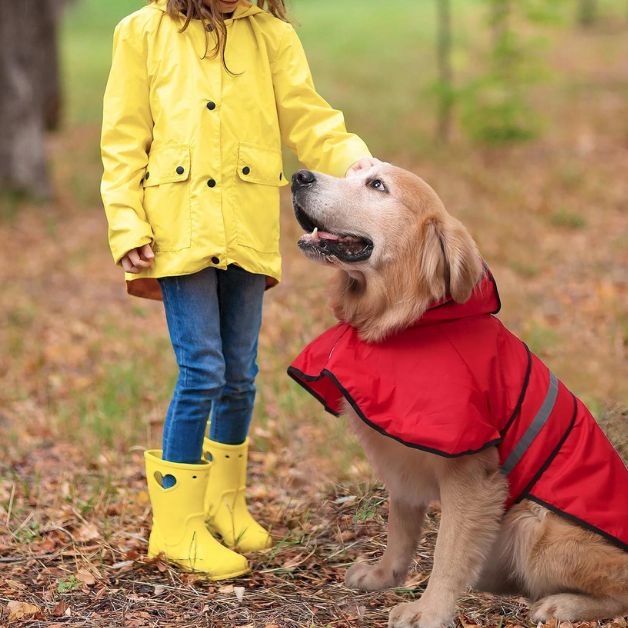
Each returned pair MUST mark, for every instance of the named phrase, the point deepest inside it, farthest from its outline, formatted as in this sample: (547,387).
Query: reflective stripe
(535,427)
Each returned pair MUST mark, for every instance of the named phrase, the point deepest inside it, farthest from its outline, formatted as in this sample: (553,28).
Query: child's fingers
(127,266)
(147,252)
(136,260)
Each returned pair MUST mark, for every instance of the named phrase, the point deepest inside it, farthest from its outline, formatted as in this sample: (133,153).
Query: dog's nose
(302,179)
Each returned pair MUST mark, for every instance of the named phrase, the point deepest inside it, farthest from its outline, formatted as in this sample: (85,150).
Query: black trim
(522,394)
(296,374)
(580,522)
(490,276)
(552,455)
(525,494)
(449,300)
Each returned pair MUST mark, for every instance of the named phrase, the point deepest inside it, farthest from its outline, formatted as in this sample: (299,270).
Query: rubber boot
(225,503)
(179,531)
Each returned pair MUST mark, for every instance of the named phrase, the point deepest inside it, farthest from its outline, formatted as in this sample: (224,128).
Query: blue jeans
(214,317)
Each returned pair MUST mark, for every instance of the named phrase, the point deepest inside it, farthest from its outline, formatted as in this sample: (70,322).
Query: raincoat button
(146,176)
(246,170)
(215,260)
(180,169)
(211,183)
(211,105)
(281,176)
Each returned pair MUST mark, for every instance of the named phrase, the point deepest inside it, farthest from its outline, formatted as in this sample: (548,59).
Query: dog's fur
(421,254)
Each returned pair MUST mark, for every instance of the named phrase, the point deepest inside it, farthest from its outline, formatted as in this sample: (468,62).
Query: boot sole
(203,574)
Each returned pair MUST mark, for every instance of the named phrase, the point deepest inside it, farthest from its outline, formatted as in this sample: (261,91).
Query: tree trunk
(587,12)
(29,92)
(445,72)
(500,20)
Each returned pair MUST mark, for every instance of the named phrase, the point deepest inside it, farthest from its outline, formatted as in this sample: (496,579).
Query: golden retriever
(404,253)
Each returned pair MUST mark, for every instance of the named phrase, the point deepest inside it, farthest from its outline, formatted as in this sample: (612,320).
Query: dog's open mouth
(343,246)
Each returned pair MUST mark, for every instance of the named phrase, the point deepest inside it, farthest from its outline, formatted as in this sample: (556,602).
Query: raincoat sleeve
(126,137)
(309,125)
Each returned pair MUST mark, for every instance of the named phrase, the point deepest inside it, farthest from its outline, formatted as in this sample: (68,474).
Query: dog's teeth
(315,232)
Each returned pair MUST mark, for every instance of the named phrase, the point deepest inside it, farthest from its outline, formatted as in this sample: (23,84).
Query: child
(200,96)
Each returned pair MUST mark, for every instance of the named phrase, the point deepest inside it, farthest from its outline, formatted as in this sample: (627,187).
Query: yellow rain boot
(225,503)
(179,530)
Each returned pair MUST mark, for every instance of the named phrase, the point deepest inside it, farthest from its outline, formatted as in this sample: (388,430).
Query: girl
(200,96)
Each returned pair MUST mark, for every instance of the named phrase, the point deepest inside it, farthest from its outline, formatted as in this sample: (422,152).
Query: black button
(146,176)
(211,105)
(246,170)
(180,169)
(211,183)
(215,260)
(280,176)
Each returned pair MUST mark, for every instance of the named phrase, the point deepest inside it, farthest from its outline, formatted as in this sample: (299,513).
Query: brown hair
(208,11)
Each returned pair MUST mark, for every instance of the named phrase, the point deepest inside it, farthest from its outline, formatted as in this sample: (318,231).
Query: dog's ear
(450,261)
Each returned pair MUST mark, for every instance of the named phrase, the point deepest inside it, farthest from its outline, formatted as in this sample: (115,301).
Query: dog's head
(390,235)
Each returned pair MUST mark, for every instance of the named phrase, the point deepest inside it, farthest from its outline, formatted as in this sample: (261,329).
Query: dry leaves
(22,610)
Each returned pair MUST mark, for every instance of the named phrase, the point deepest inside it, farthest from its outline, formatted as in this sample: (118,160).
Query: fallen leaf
(85,577)
(88,532)
(291,563)
(125,564)
(21,610)
(159,590)
(239,593)
(59,609)
(13,584)
(227,588)
(345,499)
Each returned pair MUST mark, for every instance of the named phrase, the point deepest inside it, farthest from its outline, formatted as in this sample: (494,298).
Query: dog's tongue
(323,235)
(317,236)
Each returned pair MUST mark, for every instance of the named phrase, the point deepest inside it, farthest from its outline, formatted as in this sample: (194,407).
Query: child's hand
(138,259)
(363,164)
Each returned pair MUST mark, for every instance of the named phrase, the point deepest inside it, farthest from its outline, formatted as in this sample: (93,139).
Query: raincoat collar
(483,300)
(244,9)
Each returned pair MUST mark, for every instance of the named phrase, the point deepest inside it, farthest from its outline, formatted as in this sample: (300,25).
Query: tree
(30,98)
(587,12)
(444,86)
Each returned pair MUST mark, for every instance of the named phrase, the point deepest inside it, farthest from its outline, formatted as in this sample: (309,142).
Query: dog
(450,406)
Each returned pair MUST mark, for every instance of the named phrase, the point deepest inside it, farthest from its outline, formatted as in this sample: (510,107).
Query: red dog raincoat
(457,382)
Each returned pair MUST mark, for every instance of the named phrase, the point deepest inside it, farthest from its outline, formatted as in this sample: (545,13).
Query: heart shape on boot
(165,481)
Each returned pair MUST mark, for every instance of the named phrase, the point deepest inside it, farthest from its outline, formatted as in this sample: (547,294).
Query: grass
(86,373)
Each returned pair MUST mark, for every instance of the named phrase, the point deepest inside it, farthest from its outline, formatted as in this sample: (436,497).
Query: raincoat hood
(484,300)
(457,382)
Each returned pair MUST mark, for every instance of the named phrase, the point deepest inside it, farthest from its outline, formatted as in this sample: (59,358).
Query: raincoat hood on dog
(457,382)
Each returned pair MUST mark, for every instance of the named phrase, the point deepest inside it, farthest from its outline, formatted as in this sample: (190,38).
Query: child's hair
(208,11)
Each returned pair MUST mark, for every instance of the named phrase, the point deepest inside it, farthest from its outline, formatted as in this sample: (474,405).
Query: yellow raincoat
(192,154)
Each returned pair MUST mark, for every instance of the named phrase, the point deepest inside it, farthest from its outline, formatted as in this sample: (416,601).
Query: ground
(86,372)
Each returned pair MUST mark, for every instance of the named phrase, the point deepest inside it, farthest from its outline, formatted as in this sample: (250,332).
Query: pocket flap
(167,164)
(259,164)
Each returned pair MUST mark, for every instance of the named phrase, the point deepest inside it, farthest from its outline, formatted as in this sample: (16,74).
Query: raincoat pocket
(167,196)
(256,208)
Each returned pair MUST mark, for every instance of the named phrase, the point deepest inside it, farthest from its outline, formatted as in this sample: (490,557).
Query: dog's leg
(472,497)
(576,607)
(570,573)
(405,522)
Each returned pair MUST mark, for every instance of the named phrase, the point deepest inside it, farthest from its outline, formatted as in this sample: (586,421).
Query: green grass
(375,65)
(86,54)
(563,217)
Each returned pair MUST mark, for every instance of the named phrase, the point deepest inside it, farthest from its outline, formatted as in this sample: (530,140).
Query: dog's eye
(377,184)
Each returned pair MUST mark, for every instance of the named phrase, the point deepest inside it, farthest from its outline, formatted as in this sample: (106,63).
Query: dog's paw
(416,615)
(367,577)
(562,606)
